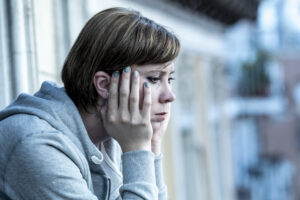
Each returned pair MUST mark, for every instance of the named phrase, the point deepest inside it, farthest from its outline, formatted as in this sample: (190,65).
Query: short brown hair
(111,40)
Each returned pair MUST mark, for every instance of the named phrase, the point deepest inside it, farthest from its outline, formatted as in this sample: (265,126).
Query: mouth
(160,116)
(162,113)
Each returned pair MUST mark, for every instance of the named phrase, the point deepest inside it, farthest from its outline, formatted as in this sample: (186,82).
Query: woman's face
(159,77)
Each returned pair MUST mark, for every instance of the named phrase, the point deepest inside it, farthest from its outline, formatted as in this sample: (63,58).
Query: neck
(93,124)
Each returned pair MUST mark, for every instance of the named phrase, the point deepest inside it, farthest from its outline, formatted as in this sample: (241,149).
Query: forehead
(166,67)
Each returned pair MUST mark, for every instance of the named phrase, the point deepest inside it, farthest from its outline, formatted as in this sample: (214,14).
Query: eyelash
(154,80)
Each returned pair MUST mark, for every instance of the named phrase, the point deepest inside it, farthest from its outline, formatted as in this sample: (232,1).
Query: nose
(167,95)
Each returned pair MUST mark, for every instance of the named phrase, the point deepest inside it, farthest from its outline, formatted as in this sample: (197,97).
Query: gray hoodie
(45,153)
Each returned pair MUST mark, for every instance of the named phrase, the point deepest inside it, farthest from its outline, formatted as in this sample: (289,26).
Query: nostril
(170,98)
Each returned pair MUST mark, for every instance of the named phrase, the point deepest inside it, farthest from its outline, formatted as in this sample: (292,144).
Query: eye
(170,80)
(153,79)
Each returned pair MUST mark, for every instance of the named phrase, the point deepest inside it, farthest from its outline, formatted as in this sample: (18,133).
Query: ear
(101,82)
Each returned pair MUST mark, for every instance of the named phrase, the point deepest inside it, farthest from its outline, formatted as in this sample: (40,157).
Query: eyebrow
(161,71)
(167,64)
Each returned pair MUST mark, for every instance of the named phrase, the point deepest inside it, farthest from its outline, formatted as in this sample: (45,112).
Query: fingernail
(127,69)
(147,85)
(116,74)
(135,73)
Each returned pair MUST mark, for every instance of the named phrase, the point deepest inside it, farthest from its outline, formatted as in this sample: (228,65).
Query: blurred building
(264,107)
(199,158)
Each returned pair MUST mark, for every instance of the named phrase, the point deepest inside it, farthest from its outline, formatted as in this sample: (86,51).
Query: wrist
(156,148)
(135,147)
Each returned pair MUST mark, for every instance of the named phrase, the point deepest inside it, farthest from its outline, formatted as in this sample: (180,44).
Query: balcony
(258,91)
(225,11)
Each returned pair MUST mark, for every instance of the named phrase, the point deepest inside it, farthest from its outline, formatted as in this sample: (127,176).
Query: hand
(157,137)
(122,118)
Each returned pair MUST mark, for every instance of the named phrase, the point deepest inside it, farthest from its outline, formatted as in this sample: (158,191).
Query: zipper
(108,188)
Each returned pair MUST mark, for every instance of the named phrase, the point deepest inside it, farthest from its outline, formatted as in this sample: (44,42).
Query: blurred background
(234,132)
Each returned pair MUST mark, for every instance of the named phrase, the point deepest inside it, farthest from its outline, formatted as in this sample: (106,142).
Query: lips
(162,113)
(160,116)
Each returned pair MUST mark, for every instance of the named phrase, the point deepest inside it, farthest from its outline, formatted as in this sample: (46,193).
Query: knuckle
(123,94)
(113,94)
(135,120)
(144,124)
(147,103)
(111,118)
(133,99)
(124,118)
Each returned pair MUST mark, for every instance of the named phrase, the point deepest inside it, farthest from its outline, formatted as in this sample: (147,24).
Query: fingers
(134,94)
(146,102)
(113,93)
(124,90)
(125,100)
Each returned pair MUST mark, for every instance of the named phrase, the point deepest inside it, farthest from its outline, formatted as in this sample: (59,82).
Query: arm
(38,169)
(138,176)
(156,149)
(162,188)
(130,126)
(156,142)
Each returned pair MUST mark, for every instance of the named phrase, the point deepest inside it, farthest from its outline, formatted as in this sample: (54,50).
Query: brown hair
(111,40)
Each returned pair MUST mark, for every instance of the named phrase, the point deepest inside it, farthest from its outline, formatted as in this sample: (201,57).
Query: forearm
(139,181)
(156,149)
(162,188)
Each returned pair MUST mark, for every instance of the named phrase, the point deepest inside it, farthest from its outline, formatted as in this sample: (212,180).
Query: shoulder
(22,129)
(40,141)
(20,125)
(29,142)
(44,165)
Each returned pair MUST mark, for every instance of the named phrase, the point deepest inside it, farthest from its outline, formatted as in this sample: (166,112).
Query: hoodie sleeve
(37,169)
(162,188)
(139,181)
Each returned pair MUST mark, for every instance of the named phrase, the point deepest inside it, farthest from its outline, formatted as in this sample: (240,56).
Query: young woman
(98,137)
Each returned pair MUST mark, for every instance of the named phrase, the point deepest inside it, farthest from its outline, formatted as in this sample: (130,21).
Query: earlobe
(101,82)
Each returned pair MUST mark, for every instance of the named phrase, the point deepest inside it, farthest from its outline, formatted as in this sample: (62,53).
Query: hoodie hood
(52,104)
